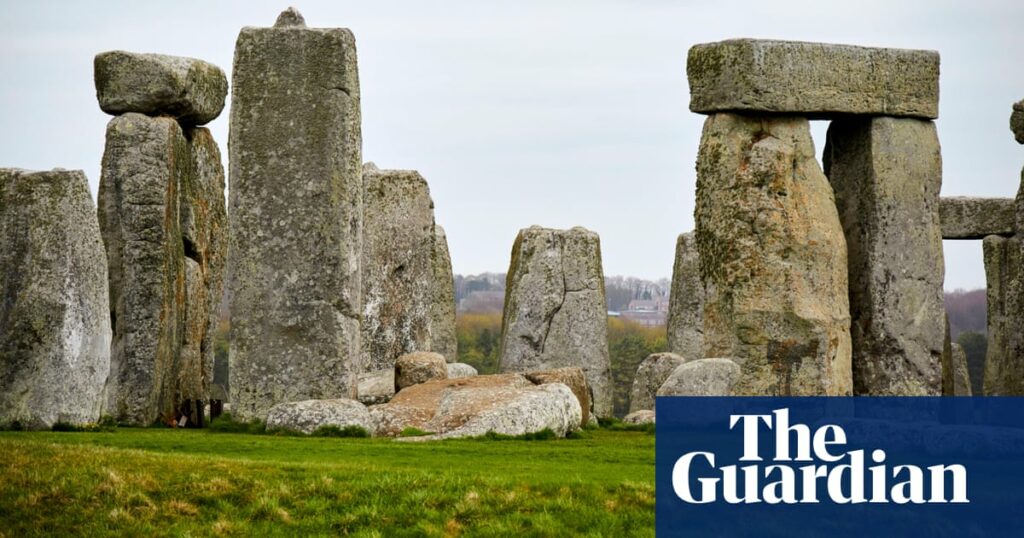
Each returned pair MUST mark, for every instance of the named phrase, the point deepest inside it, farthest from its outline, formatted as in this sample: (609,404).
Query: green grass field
(163,482)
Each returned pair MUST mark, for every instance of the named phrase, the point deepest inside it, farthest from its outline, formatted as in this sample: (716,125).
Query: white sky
(529,112)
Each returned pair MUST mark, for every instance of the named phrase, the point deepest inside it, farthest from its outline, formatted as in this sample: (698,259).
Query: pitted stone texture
(442,307)
(310,415)
(956,379)
(702,377)
(458,369)
(887,173)
(773,258)
(290,17)
(190,90)
(377,387)
(812,79)
(296,217)
(1017,121)
(686,301)
(965,217)
(555,310)
(571,377)
(398,267)
(650,375)
(419,367)
(145,162)
(642,416)
(54,314)
(1004,360)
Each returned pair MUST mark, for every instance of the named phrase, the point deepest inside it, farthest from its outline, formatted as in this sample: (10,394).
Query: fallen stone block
(702,377)
(650,375)
(458,369)
(571,377)
(643,416)
(419,367)
(310,415)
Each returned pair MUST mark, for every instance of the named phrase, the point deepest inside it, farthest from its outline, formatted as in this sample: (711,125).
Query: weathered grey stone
(555,310)
(376,387)
(976,218)
(398,268)
(145,162)
(812,79)
(1004,359)
(1017,121)
(54,315)
(571,377)
(442,306)
(650,375)
(310,415)
(296,217)
(190,90)
(458,369)
(290,17)
(686,301)
(772,257)
(956,380)
(702,377)
(887,173)
(419,367)
(642,416)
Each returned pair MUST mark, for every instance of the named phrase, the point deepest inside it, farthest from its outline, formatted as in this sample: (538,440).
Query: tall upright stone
(442,307)
(686,301)
(296,216)
(772,258)
(555,309)
(54,314)
(398,268)
(887,173)
(1004,359)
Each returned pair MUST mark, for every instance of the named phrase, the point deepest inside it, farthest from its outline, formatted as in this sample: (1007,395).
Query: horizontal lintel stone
(965,217)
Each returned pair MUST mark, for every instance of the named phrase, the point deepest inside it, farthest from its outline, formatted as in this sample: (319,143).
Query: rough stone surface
(1017,121)
(419,367)
(642,416)
(812,79)
(956,380)
(772,257)
(398,266)
(1004,360)
(310,415)
(506,403)
(54,315)
(376,387)
(458,369)
(887,173)
(650,375)
(555,310)
(145,162)
(976,218)
(571,377)
(296,217)
(686,301)
(442,306)
(190,90)
(702,377)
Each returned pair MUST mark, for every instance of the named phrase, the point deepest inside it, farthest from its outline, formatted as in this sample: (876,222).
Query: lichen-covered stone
(295,217)
(1017,121)
(686,302)
(887,173)
(398,266)
(1004,359)
(442,307)
(965,217)
(702,377)
(571,377)
(310,415)
(555,310)
(772,257)
(956,380)
(376,387)
(458,369)
(419,367)
(54,314)
(145,162)
(650,375)
(812,79)
(641,416)
(188,89)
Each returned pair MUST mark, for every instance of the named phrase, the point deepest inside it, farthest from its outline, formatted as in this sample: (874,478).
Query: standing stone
(296,216)
(957,382)
(1004,360)
(442,308)
(145,162)
(772,257)
(1017,122)
(651,374)
(887,173)
(54,314)
(555,310)
(686,301)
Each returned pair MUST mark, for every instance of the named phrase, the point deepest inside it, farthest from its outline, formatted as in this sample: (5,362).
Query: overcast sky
(529,112)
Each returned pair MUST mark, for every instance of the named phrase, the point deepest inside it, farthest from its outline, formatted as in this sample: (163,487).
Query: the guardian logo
(808,467)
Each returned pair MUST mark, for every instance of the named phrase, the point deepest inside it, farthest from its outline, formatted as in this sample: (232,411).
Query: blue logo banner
(840,467)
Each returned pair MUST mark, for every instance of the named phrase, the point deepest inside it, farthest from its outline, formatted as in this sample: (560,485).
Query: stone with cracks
(458,369)
(887,173)
(976,218)
(686,301)
(571,377)
(650,375)
(703,377)
(295,217)
(772,257)
(310,415)
(419,367)
(54,314)
(188,89)
(812,79)
(555,310)
(642,416)
(397,266)
(1004,359)
(442,306)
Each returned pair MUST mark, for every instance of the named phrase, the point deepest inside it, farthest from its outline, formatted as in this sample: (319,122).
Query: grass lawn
(159,482)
